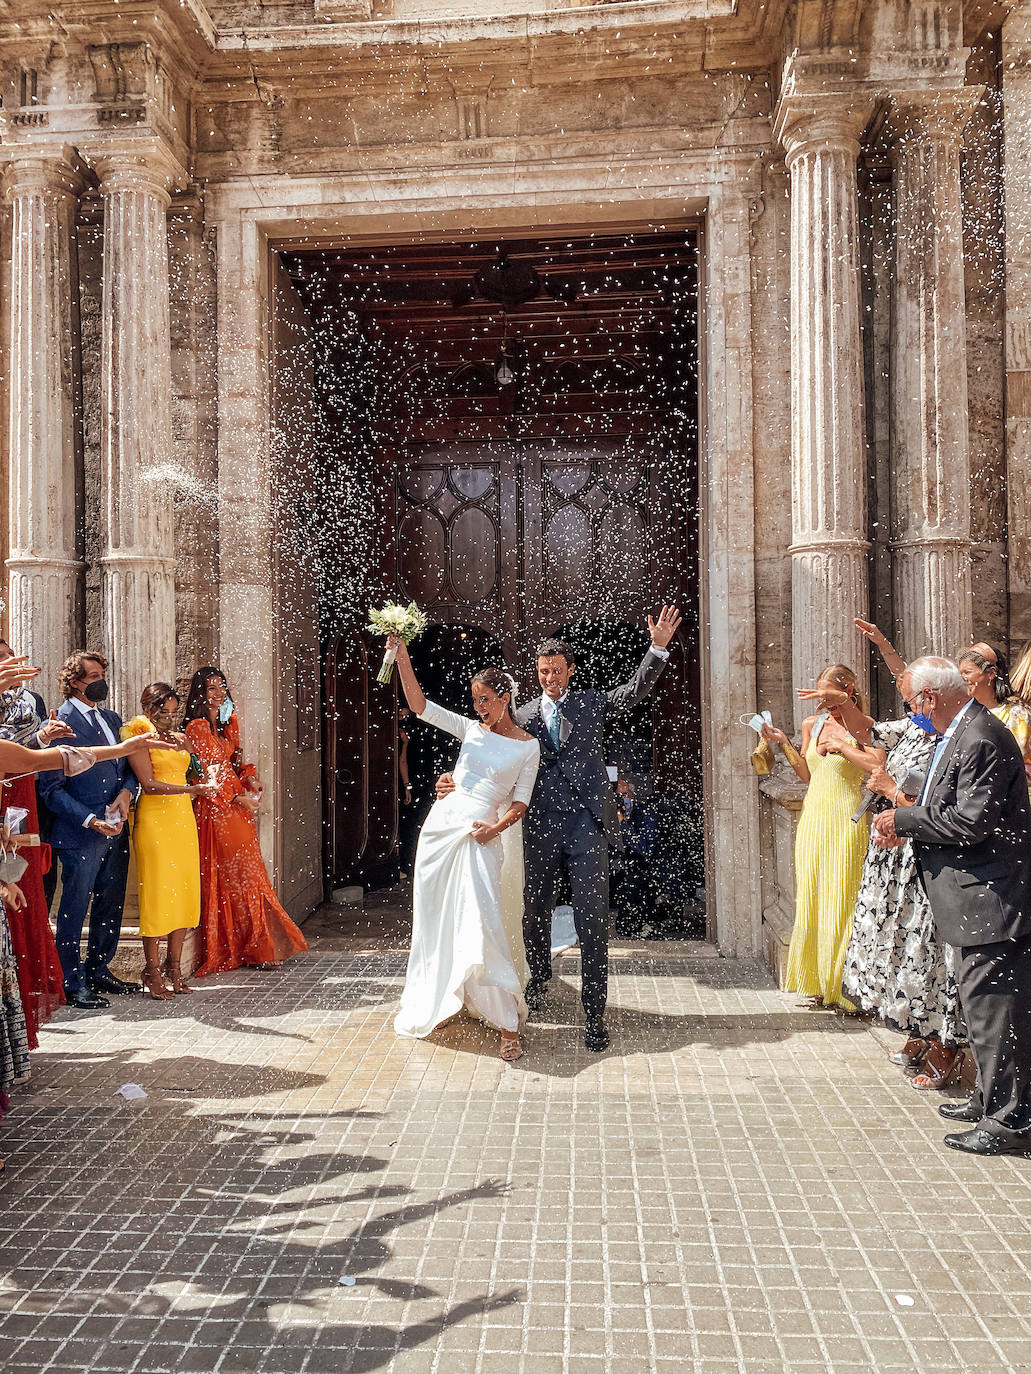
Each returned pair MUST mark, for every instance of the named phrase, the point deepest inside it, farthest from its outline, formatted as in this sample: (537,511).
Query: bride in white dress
(467,890)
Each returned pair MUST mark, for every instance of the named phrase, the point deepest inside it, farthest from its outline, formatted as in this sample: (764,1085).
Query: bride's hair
(500,682)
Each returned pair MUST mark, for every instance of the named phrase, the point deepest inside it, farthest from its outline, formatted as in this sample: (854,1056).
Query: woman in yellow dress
(165,841)
(986,675)
(830,847)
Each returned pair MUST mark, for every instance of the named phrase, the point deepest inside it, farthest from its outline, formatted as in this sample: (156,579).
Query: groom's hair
(551,648)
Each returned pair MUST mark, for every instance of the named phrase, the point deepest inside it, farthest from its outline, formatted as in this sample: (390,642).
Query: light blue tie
(554,728)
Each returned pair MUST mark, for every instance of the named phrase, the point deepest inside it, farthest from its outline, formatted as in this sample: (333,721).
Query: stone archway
(288,212)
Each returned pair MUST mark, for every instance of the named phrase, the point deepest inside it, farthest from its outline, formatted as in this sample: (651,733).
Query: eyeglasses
(911,706)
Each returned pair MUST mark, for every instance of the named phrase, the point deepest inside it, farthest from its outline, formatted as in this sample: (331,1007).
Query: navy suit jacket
(71,800)
(972,836)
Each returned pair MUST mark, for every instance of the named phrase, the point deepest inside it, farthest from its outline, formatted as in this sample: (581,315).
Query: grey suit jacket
(573,778)
(972,837)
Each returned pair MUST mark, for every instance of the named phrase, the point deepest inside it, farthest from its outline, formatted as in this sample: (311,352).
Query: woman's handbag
(761,758)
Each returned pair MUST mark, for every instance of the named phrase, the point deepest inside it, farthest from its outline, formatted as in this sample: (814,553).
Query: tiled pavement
(736,1185)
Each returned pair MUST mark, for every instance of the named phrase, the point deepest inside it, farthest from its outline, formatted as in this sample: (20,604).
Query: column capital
(822,122)
(937,115)
(40,168)
(136,164)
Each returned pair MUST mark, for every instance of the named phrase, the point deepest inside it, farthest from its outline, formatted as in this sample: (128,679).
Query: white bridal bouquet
(407,622)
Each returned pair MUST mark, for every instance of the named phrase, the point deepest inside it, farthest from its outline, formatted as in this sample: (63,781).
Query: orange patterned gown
(241,919)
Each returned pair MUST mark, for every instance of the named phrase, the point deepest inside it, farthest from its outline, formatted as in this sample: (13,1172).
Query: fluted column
(45,567)
(138,563)
(929,458)
(828,439)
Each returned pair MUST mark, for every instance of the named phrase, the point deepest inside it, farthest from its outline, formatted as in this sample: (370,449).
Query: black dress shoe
(536,991)
(85,1000)
(961,1111)
(596,1037)
(107,982)
(982,1142)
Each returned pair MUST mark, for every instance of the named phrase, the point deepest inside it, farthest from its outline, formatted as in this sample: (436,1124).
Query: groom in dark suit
(971,833)
(90,834)
(572,815)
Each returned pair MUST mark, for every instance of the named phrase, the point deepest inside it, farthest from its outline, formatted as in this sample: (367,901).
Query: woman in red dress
(40,980)
(242,921)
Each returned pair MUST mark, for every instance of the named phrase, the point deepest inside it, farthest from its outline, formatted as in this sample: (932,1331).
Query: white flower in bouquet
(406,622)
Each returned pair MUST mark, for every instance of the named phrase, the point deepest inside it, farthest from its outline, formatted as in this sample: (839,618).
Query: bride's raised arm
(414,694)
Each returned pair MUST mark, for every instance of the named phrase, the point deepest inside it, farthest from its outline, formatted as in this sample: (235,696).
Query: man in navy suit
(89,833)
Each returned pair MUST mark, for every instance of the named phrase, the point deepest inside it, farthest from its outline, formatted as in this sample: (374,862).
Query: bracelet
(895,798)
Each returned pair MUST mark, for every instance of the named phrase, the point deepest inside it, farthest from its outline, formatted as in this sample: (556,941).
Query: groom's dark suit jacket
(972,838)
(573,777)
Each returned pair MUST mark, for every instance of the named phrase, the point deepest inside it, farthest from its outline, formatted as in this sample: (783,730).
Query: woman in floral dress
(896,968)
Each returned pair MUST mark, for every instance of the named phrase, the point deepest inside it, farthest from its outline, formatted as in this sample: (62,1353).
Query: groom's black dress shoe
(982,1142)
(107,982)
(596,1037)
(85,1000)
(536,991)
(961,1111)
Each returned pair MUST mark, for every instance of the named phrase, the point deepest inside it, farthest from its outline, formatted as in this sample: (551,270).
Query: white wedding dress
(467,898)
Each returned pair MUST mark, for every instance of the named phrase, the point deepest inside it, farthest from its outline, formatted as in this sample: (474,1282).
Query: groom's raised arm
(651,666)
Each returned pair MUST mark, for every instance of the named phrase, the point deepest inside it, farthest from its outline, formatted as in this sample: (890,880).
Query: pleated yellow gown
(829,852)
(167,854)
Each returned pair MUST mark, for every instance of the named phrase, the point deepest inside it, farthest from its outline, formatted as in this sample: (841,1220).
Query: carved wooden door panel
(594,544)
(360,761)
(457,513)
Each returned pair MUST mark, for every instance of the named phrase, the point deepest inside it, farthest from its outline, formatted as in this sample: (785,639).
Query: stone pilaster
(138,563)
(44,563)
(1016,167)
(829,584)
(930,468)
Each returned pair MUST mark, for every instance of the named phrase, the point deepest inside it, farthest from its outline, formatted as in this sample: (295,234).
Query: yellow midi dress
(829,852)
(167,853)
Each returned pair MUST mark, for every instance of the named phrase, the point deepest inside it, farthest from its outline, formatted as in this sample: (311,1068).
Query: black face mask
(96,691)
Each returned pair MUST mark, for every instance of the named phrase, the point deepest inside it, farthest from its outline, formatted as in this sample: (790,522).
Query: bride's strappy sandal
(511,1048)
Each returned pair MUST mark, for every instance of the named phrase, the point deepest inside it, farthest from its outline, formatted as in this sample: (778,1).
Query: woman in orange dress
(242,921)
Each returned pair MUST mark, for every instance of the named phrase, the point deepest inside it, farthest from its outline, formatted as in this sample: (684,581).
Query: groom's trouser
(574,841)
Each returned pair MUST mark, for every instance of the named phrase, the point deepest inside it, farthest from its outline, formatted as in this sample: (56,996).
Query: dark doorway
(509,437)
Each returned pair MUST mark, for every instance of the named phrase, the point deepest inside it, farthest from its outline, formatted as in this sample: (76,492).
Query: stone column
(138,563)
(45,565)
(929,461)
(1016,168)
(828,439)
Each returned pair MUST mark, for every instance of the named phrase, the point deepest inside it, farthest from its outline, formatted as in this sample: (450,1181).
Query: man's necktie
(555,728)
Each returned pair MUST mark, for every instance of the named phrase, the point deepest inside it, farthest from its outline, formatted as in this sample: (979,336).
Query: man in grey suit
(971,833)
(572,815)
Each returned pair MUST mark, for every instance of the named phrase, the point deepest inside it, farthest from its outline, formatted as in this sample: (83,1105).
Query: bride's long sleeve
(443,719)
(523,790)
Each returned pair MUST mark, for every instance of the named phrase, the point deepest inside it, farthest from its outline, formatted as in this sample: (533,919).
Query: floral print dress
(896,967)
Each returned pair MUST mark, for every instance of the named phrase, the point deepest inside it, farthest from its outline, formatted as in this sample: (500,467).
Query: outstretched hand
(870,631)
(663,629)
